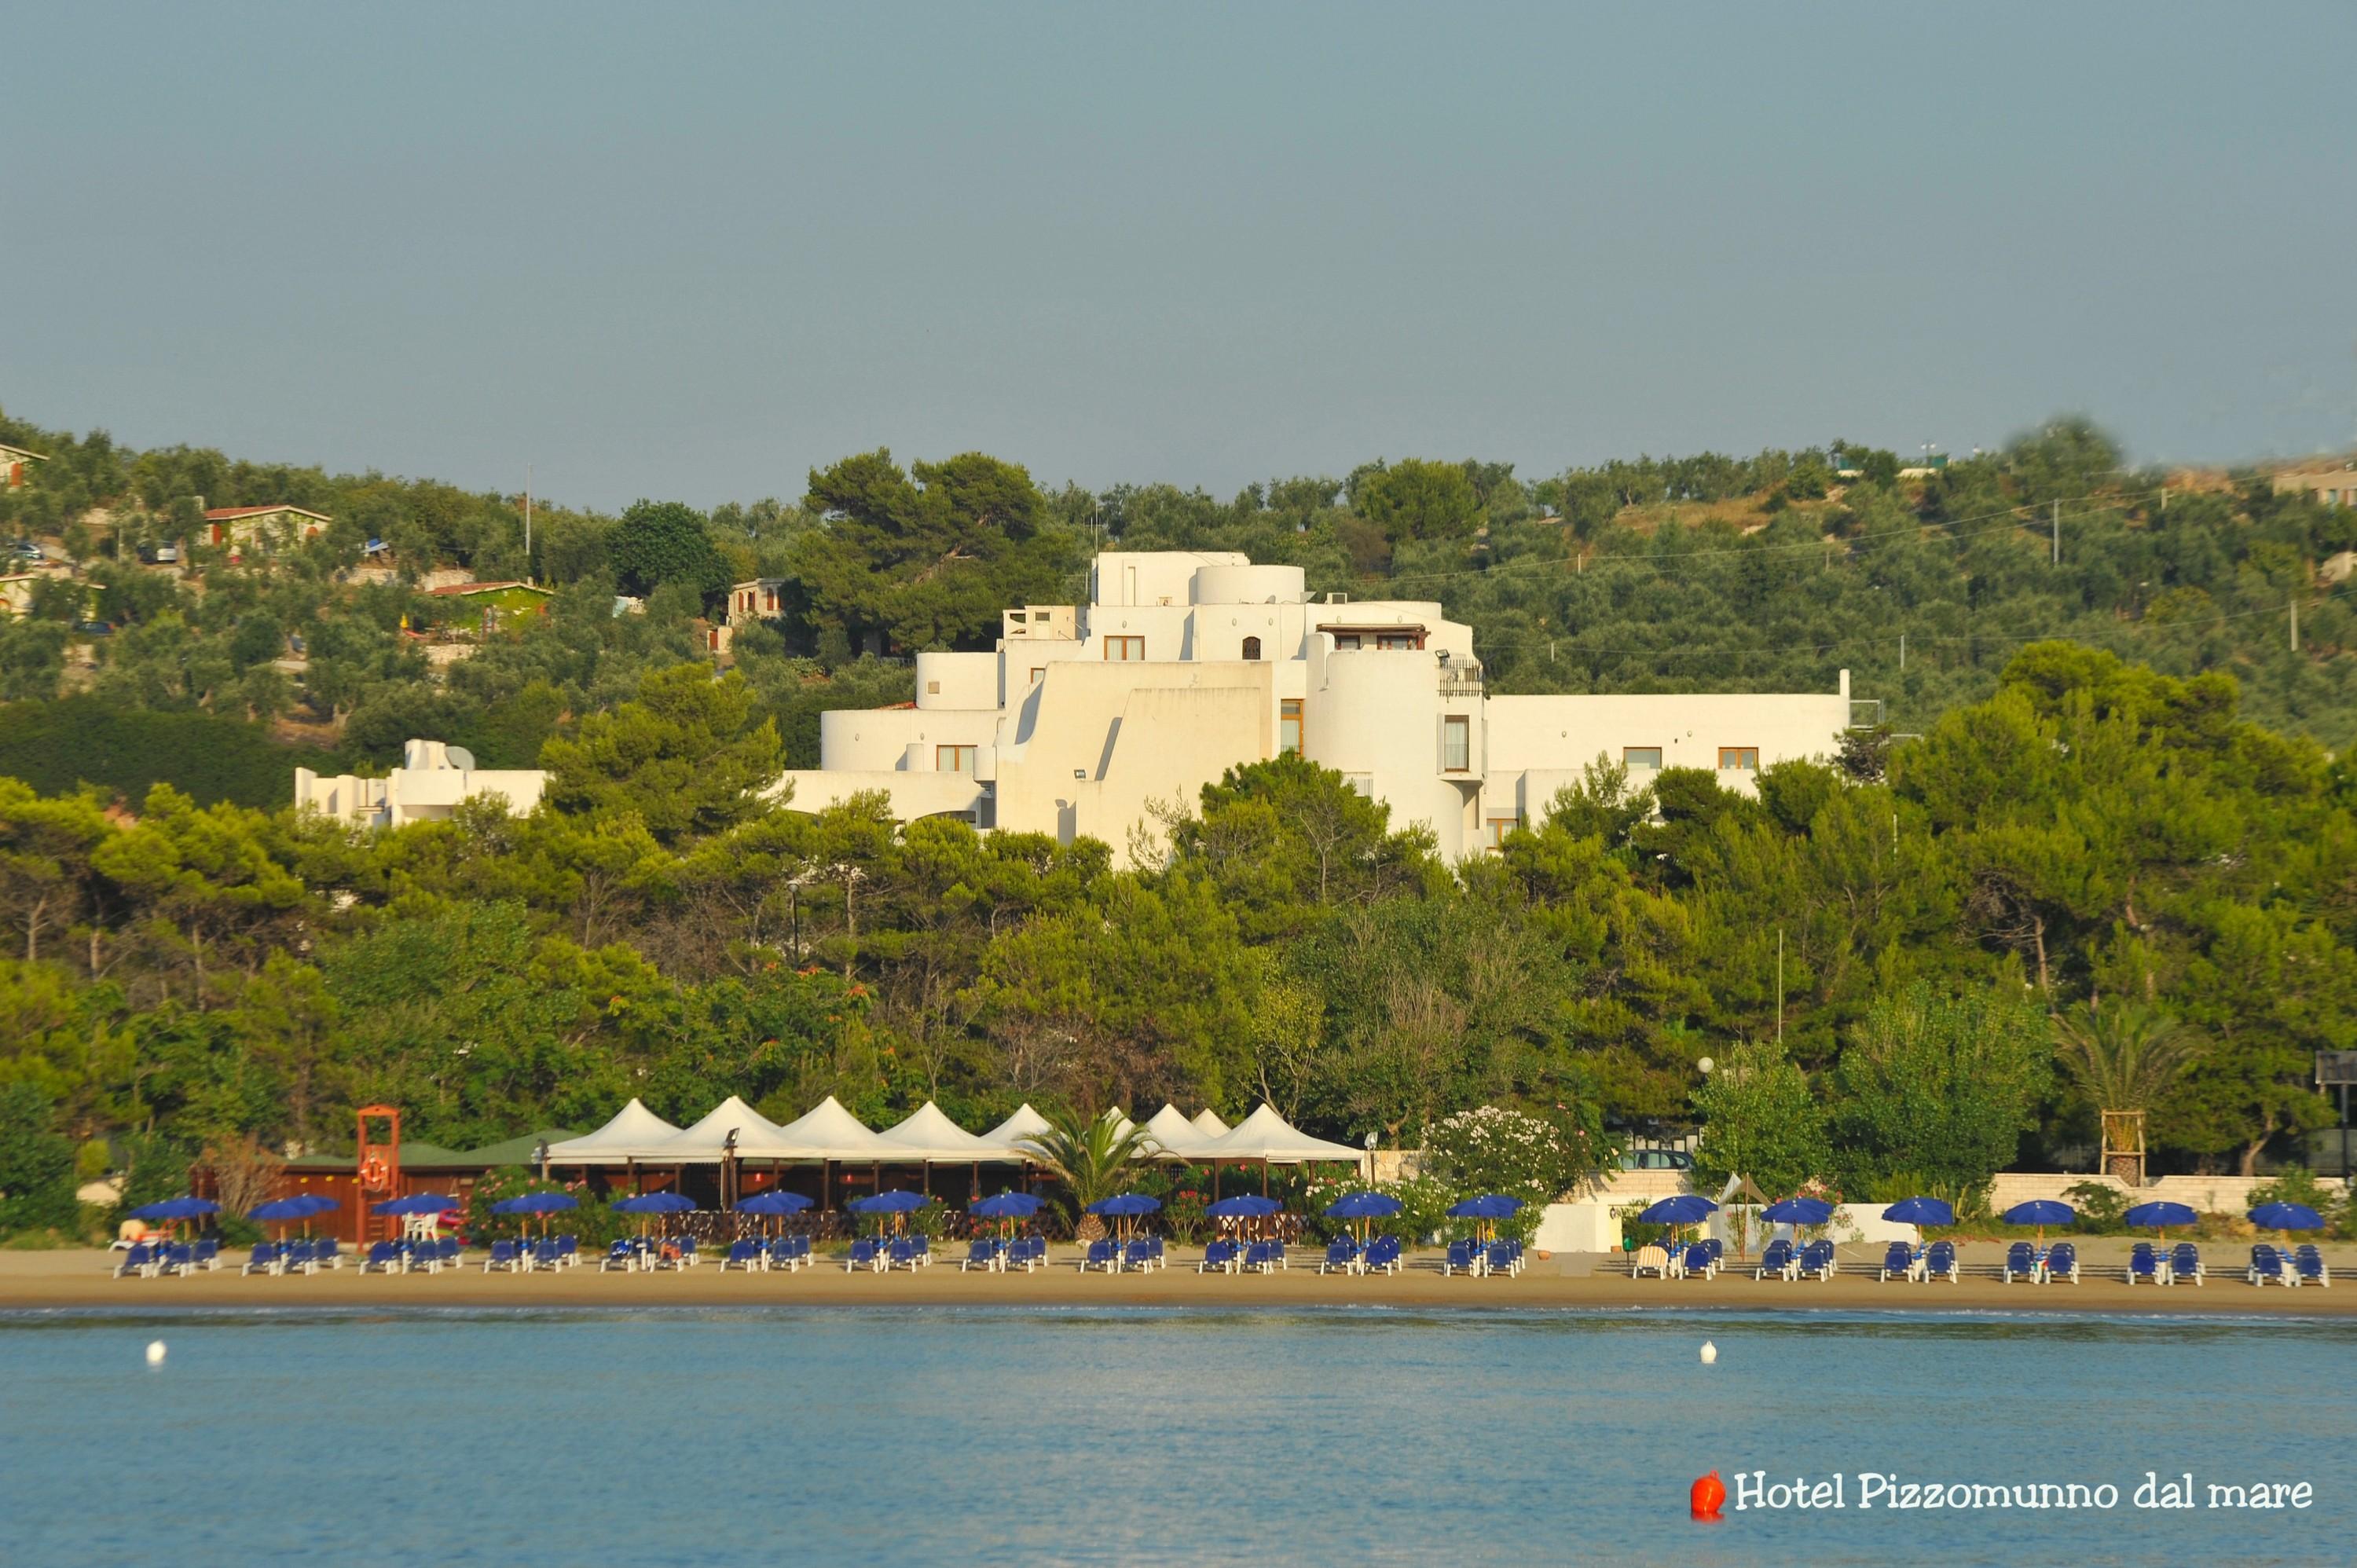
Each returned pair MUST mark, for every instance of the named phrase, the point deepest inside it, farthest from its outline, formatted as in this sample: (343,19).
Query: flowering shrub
(1492,1149)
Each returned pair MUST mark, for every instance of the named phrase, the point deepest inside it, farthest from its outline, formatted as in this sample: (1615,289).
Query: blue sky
(690,251)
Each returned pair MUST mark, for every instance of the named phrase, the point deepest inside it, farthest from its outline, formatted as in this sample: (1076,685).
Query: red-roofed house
(243,528)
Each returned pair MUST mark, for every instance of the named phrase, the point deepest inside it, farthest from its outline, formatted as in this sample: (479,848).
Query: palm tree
(2124,1058)
(1090,1154)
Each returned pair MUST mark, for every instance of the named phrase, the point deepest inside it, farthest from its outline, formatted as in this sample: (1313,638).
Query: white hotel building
(1184,664)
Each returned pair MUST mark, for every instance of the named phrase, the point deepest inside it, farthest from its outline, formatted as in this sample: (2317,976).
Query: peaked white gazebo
(1175,1137)
(1008,1134)
(1208,1122)
(929,1134)
(634,1133)
(1265,1139)
(827,1131)
(707,1138)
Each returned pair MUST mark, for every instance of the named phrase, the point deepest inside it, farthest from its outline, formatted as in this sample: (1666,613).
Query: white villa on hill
(1184,664)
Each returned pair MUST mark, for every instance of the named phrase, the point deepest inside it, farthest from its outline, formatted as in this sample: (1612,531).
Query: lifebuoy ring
(375,1174)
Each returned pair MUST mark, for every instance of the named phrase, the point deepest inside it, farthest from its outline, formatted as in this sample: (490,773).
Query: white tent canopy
(1210,1125)
(827,1131)
(1266,1137)
(1008,1134)
(929,1134)
(1174,1136)
(757,1137)
(634,1133)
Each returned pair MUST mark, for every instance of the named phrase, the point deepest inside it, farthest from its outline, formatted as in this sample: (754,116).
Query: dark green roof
(518,1151)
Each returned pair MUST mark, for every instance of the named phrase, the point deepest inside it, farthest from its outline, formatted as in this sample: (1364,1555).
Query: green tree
(1761,1120)
(656,543)
(36,1163)
(1939,1087)
(689,755)
(1415,499)
(1091,1155)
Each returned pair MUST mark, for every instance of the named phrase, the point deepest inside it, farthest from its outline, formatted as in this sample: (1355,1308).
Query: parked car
(160,554)
(94,628)
(26,549)
(1656,1160)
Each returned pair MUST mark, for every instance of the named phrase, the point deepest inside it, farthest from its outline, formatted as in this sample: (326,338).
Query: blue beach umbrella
(898,1201)
(773,1202)
(1920,1211)
(1363,1206)
(417,1203)
(279,1210)
(2160,1215)
(1798,1211)
(1685,1208)
(1494,1206)
(2287,1217)
(177,1209)
(536,1203)
(1245,1209)
(1126,1205)
(1007,1206)
(2041,1212)
(656,1203)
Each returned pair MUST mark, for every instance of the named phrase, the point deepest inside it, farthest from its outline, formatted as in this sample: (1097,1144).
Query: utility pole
(527,522)
(1779,985)
(1902,653)
(2293,604)
(2058,534)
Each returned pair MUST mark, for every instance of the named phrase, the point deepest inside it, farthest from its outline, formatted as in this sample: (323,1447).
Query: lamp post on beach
(1371,1159)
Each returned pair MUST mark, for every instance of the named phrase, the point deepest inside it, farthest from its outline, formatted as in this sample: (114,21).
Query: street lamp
(1371,1159)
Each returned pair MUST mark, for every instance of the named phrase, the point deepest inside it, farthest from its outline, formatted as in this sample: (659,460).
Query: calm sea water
(1025,1436)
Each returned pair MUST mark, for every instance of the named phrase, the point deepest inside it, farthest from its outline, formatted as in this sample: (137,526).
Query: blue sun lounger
(2021,1258)
(1940,1262)
(1220,1258)
(2062,1263)
(1817,1261)
(2185,1263)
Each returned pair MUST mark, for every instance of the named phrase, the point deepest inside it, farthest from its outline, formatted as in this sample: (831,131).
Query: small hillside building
(2328,486)
(257,530)
(760,599)
(1184,664)
(12,465)
(428,786)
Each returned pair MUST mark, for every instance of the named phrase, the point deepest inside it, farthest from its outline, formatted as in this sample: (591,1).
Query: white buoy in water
(1709,1353)
(155,1352)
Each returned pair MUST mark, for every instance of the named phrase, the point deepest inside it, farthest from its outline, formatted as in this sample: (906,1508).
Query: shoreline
(78,1279)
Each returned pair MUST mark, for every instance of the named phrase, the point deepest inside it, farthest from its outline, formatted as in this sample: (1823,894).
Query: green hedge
(57,747)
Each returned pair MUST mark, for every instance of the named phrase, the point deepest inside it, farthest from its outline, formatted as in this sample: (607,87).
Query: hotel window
(1288,725)
(1251,648)
(1346,642)
(1124,649)
(1396,641)
(1640,756)
(953,760)
(1456,742)
(1738,758)
(1039,674)
(1500,827)
(1364,783)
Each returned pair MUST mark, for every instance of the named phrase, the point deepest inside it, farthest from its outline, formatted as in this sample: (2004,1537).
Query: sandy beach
(82,1279)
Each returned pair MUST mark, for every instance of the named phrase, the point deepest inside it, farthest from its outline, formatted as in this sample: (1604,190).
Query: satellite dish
(459,757)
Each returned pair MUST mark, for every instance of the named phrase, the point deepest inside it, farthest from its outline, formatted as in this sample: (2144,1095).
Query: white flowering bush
(1492,1149)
